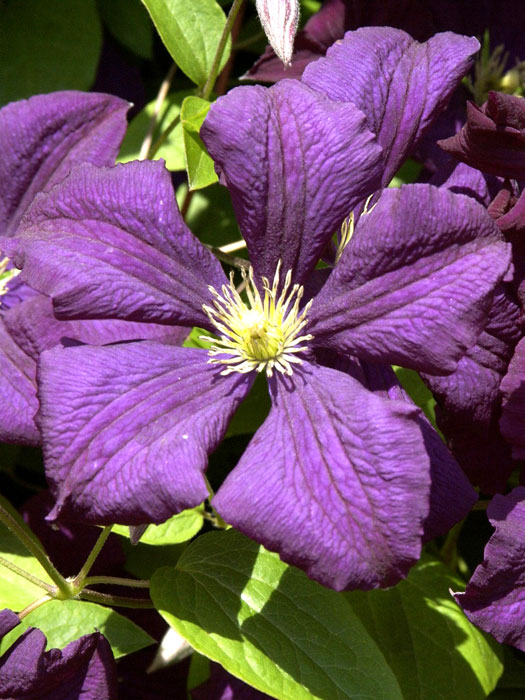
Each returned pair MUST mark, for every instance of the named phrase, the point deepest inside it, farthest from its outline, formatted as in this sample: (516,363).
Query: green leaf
(199,165)
(172,149)
(408,172)
(130,24)
(435,652)
(251,413)
(15,591)
(191,33)
(418,391)
(269,624)
(47,45)
(63,621)
(179,528)
(210,215)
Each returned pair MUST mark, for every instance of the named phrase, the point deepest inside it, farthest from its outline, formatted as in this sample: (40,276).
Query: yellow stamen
(262,334)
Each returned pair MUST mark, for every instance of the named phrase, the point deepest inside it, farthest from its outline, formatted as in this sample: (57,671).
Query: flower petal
(84,668)
(336,480)
(33,326)
(415,283)
(127,428)
(399,84)
(111,243)
(18,391)
(494,599)
(451,496)
(43,137)
(513,414)
(295,164)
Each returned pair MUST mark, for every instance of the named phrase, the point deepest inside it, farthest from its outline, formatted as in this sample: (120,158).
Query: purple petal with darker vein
(336,480)
(84,669)
(471,394)
(111,243)
(17,387)
(295,163)
(512,421)
(451,495)
(414,285)
(469,399)
(495,595)
(128,428)
(399,84)
(41,138)
(33,326)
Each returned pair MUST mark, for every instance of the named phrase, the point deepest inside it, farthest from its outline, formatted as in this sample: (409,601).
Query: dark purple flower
(41,138)
(493,138)
(84,668)
(128,427)
(494,597)
(338,479)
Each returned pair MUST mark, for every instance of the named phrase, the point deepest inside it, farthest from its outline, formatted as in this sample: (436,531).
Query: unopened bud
(279,19)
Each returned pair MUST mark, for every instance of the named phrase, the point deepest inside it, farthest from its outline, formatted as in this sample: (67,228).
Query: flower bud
(279,19)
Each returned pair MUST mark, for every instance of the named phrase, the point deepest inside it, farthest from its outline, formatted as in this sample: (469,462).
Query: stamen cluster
(262,333)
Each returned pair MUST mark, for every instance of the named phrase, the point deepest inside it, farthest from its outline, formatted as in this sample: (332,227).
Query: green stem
(116,581)
(215,518)
(35,549)
(448,552)
(212,77)
(34,605)
(158,143)
(29,577)
(480,505)
(107,599)
(161,96)
(232,260)
(84,571)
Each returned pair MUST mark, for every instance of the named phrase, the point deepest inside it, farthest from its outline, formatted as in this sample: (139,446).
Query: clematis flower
(128,427)
(41,139)
(84,668)
(493,599)
(338,479)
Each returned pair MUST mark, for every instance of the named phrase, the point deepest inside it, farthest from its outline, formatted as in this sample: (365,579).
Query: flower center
(262,333)
(6,275)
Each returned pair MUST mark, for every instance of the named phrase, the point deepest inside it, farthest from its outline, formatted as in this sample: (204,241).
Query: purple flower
(338,479)
(41,138)
(84,668)
(494,596)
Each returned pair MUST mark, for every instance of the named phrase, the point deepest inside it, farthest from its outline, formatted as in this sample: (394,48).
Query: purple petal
(471,393)
(493,138)
(295,163)
(85,668)
(8,621)
(43,137)
(451,495)
(111,243)
(17,388)
(512,422)
(336,480)
(399,84)
(495,596)
(415,283)
(33,326)
(127,428)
